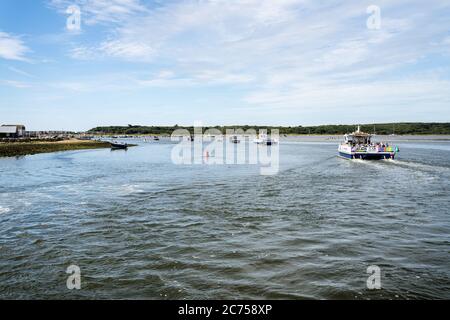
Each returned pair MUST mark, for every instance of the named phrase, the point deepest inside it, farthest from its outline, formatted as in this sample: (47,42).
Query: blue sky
(278,62)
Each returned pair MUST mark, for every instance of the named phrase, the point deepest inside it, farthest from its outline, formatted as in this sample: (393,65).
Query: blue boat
(359,145)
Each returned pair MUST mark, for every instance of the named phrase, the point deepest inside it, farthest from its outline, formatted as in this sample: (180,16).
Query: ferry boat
(359,145)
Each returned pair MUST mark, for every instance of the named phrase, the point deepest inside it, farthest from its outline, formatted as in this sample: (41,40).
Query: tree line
(404,128)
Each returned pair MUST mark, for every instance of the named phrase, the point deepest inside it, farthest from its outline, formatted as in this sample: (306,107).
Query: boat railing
(373,149)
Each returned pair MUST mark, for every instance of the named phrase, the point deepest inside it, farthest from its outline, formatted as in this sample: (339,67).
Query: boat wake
(127,189)
(4,210)
(402,164)
(416,165)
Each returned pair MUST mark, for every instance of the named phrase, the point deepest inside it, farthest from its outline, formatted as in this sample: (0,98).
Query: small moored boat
(117,145)
(265,140)
(235,139)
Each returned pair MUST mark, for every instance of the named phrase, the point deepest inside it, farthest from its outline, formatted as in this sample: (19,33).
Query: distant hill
(404,128)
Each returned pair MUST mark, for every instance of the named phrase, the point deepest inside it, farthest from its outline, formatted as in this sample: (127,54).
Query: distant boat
(263,139)
(117,145)
(234,139)
(155,138)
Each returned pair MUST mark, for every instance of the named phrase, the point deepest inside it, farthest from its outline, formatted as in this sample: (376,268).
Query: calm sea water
(139,226)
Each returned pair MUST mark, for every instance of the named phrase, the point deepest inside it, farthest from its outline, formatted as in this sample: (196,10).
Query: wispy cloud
(127,49)
(287,54)
(251,32)
(102,11)
(20,72)
(12,47)
(15,84)
(168,79)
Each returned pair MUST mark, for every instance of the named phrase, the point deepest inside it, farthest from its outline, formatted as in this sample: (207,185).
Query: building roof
(13,125)
(8,129)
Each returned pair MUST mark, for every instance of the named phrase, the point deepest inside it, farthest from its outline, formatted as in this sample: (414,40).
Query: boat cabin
(358,138)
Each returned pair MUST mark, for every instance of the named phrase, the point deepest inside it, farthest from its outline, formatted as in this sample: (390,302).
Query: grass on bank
(27,148)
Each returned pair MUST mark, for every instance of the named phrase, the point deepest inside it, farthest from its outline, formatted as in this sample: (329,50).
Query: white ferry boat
(359,145)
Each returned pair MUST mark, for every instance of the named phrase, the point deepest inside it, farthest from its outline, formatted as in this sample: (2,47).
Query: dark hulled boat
(116,145)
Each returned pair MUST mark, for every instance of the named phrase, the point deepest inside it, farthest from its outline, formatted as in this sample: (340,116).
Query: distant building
(12,131)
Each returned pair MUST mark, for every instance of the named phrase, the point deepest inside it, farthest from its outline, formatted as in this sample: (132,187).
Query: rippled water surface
(139,226)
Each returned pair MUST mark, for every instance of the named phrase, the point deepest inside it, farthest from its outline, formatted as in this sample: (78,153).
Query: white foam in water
(368,162)
(3,210)
(416,165)
(408,165)
(131,188)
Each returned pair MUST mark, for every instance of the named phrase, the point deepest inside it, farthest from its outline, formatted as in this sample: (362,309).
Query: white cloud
(123,49)
(83,53)
(166,79)
(12,47)
(127,49)
(289,53)
(362,94)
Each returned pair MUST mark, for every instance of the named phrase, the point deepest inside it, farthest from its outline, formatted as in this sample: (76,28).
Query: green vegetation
(406,128)
(26,148)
